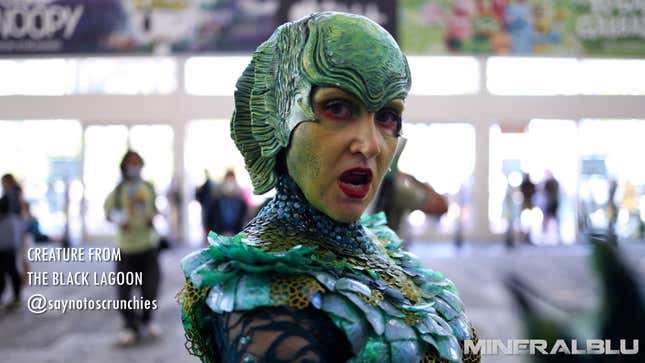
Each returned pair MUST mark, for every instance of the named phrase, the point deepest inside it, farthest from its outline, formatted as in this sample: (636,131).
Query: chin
(344,210)
(348,215)
(345,219)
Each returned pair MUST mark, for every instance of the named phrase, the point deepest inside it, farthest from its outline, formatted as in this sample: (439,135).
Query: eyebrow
(398,104)
(337,92)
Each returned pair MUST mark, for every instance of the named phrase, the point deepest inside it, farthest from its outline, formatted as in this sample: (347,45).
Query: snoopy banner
(523,27)
(159,26)
(133,26)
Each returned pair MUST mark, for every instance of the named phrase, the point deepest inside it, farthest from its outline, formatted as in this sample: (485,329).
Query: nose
(366,139)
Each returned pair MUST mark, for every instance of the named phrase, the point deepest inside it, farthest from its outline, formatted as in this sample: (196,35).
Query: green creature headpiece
(326,49)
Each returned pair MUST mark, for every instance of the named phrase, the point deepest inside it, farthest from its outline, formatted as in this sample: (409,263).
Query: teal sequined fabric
(390,307)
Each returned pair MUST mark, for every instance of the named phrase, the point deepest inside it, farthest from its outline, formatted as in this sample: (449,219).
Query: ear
(281,162)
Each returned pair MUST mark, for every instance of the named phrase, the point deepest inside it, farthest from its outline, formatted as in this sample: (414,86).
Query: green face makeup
(328,49)
(339,161)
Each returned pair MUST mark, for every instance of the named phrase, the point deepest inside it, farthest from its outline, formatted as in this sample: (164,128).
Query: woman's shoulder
(240,274)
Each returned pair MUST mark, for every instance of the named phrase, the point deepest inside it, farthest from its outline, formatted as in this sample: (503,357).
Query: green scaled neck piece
(390,307)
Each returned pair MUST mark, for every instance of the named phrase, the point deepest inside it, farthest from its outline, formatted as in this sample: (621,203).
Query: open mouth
(356,182)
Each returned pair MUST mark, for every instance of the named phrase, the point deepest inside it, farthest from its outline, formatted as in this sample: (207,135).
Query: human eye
(338,109)
(389,119)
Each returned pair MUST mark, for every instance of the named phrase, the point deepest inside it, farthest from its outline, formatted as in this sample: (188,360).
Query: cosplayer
(318,116)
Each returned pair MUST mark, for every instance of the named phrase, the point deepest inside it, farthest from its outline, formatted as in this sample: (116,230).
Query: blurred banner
(540,27)
(159,26)
(543,27)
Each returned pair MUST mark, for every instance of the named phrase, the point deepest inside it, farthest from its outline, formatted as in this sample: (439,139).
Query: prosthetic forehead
(358,56)
(322,50)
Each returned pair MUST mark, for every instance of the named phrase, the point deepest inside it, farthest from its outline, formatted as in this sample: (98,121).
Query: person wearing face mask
(227,211)
(131,206)
(318,115)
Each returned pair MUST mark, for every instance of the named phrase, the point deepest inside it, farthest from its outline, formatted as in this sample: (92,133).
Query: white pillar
(179,128)
(481,230)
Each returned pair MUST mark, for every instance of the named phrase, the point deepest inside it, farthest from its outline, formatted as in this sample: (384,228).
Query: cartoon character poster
(523,27)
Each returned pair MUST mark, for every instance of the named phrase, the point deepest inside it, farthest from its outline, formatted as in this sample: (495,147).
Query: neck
(290,207)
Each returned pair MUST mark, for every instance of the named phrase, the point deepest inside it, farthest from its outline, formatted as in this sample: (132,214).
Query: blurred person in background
(18,212)
(34,230)
(18,209)
(204,194)
(175,200)
(12,191)
(612,207)
(511,211)
(528,190)
(402,193)
(551,201)
(227,211)
(131,206)
(12,228)
(34,234)
(630,203)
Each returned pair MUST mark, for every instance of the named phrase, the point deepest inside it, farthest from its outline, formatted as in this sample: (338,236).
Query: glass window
(44,156)
(532,76)
(46,77)
(155,144)
(444,75)
(612,185)
(105,146)
(612,76)
(565,76)
(56,77)
(127,76)
(209,148)
(523,200)
(507,153)
(214,76)
(443,155)
(431,75)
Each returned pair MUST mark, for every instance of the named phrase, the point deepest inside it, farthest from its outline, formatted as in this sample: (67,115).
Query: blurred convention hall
(525,123)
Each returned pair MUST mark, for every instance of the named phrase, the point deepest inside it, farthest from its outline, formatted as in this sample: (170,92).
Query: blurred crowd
(18,230)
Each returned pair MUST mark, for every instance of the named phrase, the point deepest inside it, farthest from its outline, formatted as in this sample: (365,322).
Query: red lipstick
(355,182)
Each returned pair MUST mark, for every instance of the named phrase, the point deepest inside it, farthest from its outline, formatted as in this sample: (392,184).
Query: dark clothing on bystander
(147,264)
